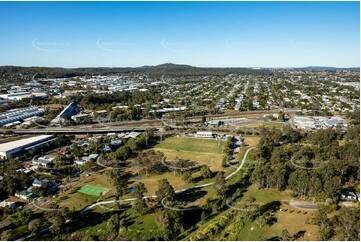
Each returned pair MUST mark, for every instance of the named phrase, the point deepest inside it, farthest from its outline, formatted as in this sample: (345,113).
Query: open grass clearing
(260,124)
(294,221)
(204,151)
(75,200)
(151,182)
(209,146)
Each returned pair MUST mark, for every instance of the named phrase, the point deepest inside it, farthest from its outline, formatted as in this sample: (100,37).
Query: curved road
(153,196)
(303,205)
(177,191)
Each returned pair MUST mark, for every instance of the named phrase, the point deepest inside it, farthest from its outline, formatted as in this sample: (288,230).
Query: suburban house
(132,135)
(79,162)
(44,160)
(24,194)
(86,158)
(348,196)
(7,203)
(40,183)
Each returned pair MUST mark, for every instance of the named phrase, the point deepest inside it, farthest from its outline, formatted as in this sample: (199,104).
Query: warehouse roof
(23,142)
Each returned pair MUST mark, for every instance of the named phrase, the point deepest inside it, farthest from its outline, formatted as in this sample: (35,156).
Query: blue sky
(223,34)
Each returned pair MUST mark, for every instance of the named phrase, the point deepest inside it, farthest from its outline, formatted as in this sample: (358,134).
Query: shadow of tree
(270,207)
(191,195)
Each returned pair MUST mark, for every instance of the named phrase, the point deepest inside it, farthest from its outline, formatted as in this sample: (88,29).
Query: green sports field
(208,146)
(91,190)
(204,151)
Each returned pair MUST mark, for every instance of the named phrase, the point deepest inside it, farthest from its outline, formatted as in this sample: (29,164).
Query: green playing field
(91,190)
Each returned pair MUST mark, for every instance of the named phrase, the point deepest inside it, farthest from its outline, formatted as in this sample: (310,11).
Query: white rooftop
(204,132)
(22,142)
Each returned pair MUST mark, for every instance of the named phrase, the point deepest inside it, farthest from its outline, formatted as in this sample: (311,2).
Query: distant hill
(155,71)
(328,68)
(171,65)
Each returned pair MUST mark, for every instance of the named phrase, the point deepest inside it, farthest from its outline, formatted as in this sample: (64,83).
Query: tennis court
(91,190)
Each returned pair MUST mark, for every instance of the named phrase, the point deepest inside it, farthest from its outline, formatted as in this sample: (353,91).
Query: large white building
(22,95)
(318,122)
(204,134)
(16,148)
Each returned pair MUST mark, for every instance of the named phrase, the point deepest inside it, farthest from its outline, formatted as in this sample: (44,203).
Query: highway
(129,126)
(66,130)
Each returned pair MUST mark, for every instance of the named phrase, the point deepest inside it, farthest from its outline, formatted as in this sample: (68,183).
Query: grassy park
(204,151)
(246,230)
(84,192)
(287,213)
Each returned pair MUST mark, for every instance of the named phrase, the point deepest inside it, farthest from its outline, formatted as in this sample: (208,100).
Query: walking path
(145,197)
(303,205)
(177,191)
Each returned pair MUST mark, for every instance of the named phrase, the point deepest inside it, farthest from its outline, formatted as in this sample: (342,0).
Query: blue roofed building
(71,110)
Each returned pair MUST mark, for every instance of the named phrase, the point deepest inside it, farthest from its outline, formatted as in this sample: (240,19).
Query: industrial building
(21,95)
(305,122)
(18,147)
(71,110)
(318,122)
(336,121)
(15,116)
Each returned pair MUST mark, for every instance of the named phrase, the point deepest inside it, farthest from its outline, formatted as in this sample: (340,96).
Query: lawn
(260,124)
(204,151)
(137,227)
(250,160)
(251,141)
(289,218)
(151,182)
(144,228)
(209,146)
(73,199)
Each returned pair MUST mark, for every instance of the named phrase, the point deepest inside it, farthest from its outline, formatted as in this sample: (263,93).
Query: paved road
(177,191)
(41,231)
(78,130)
(31,235)
(303,205)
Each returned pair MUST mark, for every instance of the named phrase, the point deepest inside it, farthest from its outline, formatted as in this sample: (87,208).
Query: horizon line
(145,66)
